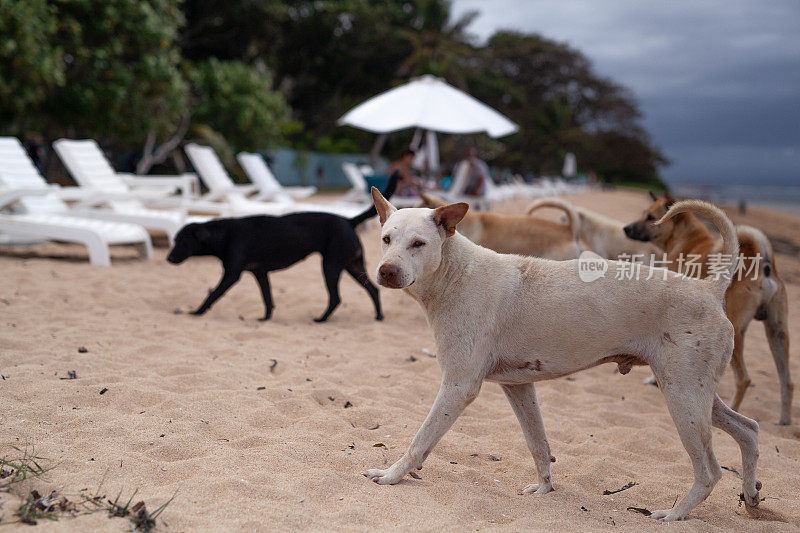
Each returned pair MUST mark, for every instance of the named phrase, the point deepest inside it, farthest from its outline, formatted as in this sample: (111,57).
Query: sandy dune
(193,407)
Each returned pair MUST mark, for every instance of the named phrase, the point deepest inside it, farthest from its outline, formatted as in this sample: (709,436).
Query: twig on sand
(642,510)
(626,487)
(273,365)
(729,469)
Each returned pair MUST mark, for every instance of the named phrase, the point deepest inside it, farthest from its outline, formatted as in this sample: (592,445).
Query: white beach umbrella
(427,103)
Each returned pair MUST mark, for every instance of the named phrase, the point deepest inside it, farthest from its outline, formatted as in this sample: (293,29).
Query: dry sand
(192,407)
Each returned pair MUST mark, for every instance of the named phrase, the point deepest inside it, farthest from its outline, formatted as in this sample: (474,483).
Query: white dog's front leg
(452,399)
(526,407)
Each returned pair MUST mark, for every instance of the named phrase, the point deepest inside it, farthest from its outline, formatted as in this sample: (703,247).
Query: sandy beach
(257,426)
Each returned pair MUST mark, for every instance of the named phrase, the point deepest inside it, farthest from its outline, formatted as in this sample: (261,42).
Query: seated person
(408,185)
(477,174)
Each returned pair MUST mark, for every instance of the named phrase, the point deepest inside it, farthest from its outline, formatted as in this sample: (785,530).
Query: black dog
(260,244)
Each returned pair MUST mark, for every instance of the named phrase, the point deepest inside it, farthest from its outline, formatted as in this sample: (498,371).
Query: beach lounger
(455,193)
(221,187)
(31,209)
(269,188)
(360,188)
(493,192)
(359,191)
(107,195)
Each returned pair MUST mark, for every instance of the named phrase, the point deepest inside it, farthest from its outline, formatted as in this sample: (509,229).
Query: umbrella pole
(376,149)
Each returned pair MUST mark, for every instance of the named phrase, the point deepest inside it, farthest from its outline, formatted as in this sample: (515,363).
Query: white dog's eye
(386,239)
(418,244)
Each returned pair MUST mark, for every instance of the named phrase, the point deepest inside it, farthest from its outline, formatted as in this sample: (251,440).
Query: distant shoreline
(783,197)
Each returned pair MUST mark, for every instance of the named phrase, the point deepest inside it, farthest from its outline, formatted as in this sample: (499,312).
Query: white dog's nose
(388,275)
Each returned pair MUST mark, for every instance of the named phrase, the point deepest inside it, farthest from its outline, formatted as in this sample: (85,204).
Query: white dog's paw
(383,477)
(536,488)
(751,496)
(666,515)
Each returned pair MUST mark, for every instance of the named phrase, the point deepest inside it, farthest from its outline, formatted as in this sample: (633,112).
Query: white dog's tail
(730,240)
(558,203)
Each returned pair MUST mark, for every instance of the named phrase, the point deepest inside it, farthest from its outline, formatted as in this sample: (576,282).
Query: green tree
(131,73)
(333,54)
(112,70)
(243,30)
(237,101)
(122,69)
(440,46)
(30,61)
(562,106)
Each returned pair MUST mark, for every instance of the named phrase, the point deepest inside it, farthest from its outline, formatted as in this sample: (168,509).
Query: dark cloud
(719,81)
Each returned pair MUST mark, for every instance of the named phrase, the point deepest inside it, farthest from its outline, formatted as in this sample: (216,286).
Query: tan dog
(517,320)
(603,235)
(762,298)
(524,235)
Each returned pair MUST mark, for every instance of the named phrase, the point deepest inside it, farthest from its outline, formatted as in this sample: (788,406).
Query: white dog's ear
(384,208)
(448,216)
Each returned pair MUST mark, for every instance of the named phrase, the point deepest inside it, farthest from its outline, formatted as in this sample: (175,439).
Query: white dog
(515,320)
(603,235)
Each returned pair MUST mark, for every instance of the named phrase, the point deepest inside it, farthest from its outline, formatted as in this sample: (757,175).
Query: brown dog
(518,234)
(762,298)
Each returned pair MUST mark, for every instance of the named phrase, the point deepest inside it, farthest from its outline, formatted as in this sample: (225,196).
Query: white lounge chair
(493,192)
(222,189)
(360,189)
(108,195)
(358,185)
(31,209)
(455,193)
(258,171)
(215,177)
(269,188)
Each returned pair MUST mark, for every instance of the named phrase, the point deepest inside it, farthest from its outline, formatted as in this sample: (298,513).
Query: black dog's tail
(391,186)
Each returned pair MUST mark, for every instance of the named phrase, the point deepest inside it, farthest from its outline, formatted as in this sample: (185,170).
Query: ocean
(784,197)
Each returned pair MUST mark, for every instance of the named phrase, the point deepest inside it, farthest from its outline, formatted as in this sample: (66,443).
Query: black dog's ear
(653,196)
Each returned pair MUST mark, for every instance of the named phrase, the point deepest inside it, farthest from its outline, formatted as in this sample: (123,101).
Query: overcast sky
(718,80)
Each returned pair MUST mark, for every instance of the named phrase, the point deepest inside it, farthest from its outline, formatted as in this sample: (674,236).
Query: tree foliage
(113,70)
(562,106)
(254,73)
(329,55)
(121,69)
(30,60)
(237,101)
